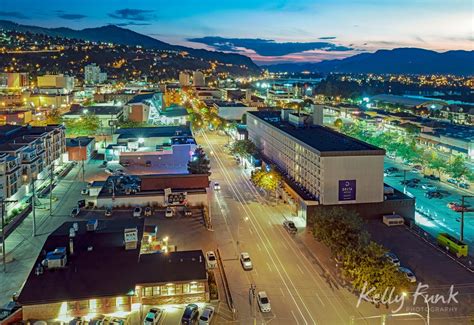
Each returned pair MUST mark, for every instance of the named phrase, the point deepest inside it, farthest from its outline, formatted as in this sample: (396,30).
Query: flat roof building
(83,274)
(324,167)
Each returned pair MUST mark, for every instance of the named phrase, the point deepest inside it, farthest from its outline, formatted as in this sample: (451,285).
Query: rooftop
(140,98)
(162,131)
(78,142)
(23,134)
(406,101)
(321,138)
(97,110)
(88,271)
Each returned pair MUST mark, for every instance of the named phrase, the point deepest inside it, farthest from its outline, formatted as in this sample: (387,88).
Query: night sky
(269,30)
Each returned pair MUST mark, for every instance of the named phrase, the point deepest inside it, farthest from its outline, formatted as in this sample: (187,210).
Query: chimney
(318,114)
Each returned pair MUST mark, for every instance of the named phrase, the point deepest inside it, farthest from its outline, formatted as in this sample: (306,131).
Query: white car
(393,258)
(429,187)
(408,273)
(85,191)
(206,315)
(137,212)
(264,302)
(217,186)
(211,260)
(169,213)
(246,261)
(148,212)
(153,316)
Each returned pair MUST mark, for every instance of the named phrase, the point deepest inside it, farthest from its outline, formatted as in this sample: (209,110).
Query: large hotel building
(320,166)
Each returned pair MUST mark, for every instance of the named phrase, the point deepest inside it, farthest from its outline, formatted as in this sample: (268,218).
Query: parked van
(393,220)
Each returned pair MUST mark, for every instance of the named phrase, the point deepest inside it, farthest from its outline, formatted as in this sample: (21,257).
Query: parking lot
(435,215)
(430,265)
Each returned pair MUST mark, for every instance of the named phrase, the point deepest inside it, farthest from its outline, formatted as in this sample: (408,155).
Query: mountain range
(118,35)
(396,61)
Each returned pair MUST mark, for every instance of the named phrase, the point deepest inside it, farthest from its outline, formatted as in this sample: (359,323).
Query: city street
(22,247)
(300,291)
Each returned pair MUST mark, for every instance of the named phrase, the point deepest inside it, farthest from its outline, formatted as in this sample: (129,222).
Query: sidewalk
(22,248)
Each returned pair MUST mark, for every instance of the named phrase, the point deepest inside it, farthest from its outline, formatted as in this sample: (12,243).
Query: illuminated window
(147,291)
(156,291)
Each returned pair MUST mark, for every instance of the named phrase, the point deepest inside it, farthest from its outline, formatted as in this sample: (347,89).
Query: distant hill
(396,61)
(118,35)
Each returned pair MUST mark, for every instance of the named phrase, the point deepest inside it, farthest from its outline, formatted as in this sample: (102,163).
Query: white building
(324,166)
(55,84)
(93,75)
(198,79)
(184,79)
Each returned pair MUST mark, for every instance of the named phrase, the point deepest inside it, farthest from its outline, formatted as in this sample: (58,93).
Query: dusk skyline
(266,31)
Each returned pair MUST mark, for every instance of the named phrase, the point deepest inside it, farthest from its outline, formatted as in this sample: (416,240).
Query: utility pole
(51,176)
(2,203)
(463,208)
(33,206)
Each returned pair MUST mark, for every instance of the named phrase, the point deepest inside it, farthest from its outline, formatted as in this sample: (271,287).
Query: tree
(339,229)
(54,117)
(85,125)
(267,180)
(434,162)
(456,167)
(199,164)
(367,267)
(338,123)
(243,148)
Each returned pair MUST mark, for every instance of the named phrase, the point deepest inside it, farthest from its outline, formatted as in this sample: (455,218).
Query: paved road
(299,291)
(442,218)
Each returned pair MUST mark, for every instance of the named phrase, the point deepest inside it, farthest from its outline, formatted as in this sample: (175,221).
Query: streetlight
(463,208)
(405,294)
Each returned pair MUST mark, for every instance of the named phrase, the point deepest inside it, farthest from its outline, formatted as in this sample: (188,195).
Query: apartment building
(26,154)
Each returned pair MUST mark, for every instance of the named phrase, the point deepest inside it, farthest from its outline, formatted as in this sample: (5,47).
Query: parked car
(207,315)
(211,260)
(99,320)
(408,273)
(464,185)
(85,191)
(432,177)
(77,321)
(415,180)
(290,226)
(153,316)
(393,258)
(8,309)
(190,315)
(81,203)
(137,212)
(412,185)
(108,212)
(433,194)
(429,187)
(188,212)
(246,261)
(148,212)
(264,302)
(391,169)
(75,211)
(457,207)
(217,186)
(169,212)
(452,181)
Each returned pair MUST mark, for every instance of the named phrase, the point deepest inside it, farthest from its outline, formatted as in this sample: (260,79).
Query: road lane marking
(294,316)
(249,212)
(269,267)
(299,268)
(282,292)
(258,246)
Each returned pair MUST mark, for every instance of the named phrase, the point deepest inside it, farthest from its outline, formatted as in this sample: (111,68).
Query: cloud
(327,37)
(266,47)
(131,23)
(133,14)
(71,16)
(13,14)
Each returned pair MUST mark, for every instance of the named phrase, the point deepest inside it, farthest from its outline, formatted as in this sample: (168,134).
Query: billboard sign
(347,190)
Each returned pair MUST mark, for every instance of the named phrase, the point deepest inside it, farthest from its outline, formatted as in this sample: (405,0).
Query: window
(156,291)
(147,291)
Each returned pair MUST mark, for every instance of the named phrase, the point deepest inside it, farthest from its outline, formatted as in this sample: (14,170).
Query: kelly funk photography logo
(397,301)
